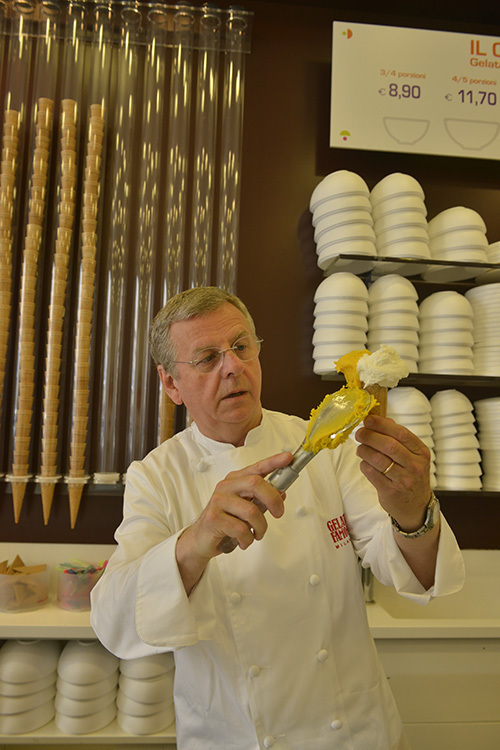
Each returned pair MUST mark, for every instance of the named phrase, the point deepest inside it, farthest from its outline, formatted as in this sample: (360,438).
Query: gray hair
(191,303)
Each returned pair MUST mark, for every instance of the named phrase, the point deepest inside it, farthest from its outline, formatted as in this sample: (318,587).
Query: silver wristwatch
(431,519)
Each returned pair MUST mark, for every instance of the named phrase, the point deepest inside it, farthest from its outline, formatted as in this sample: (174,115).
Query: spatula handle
(281,479)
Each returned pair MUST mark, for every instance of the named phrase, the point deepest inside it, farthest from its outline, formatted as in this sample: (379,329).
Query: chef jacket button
(322,655)
(301,511)
(336,724)
(254,671)
(235,598)
(268,741)
(202,465)
(314,580)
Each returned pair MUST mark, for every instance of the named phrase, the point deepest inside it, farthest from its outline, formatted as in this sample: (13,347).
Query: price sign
(413,90)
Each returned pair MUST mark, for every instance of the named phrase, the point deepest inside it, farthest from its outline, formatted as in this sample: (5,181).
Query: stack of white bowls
(342,220)
(393,317)
(446,334)
(458,461)
(86,687)
(400,218)
(485,302)
(145,697)
(27,684)
(411,408)
(340,319)
(491,275)
(457,234)
(488,418)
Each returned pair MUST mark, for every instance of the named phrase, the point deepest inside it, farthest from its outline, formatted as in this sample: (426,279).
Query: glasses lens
(245,348)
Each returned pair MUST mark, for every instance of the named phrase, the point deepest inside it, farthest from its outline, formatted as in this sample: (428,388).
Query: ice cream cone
(75,497)
(47,499)
(380,393)
(18,492)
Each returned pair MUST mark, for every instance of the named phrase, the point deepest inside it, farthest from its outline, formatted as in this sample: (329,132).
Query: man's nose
(231,362)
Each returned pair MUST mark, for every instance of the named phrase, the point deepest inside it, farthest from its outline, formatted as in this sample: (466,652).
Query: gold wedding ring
(388,468)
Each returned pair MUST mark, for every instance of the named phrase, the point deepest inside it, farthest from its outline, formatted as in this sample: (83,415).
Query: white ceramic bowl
(354,202)
(393,319)
(84,662)
(16,689)
(324,366)
(446,366)
(445,323)
(465,484)
(333,351)
(438,351)
(444,433)
(465,456)
(72,707)
(365,249)
(86,724)
(152,690)
(28,661)
(89,691)
(459,238)
(343,304)
(356,321)
(396,203)
(392,336)
(342,218)
(340,336)
(448,402)
(406,233)
(346,232)
(132,707)
(463,419)
(16,704)
(454,218)
(341,285)
(341,182)
(403,305)
(394,185)
(27,721)
(408,400)
(411,249)
(142,725)
(445,338)
(446,303)
(457,442)
(472,255)
(400,219)
(391,286)
(455,470)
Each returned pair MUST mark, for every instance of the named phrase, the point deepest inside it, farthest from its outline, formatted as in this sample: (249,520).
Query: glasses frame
(221,353)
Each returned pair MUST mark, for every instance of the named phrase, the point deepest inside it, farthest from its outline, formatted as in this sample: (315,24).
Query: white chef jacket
(272,648)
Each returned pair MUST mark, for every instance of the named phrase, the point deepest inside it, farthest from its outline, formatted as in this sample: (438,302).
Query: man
(271,642)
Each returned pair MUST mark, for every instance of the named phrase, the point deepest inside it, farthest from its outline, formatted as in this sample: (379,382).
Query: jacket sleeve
(140,607)
(371,533)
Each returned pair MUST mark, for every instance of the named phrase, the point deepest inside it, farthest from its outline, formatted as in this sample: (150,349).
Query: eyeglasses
(245,348)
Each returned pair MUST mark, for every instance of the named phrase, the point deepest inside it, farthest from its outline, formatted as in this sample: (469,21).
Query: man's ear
(168,385)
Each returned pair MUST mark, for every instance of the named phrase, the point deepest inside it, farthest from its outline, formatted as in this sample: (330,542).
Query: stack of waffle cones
(29,276)
(7,180)
(87,282)
(51,401)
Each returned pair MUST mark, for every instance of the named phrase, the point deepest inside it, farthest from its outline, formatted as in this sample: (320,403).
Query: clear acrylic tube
(122,174)
(99,56)
(176,178)
(205,146)
(54,412)
(143,379)
(177,148)
(231,137)
(34,228)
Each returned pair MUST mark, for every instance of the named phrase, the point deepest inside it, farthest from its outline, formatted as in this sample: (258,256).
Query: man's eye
(208,357)
(240,346)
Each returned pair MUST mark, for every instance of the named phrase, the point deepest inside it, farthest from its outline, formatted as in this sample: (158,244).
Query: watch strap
(431,517)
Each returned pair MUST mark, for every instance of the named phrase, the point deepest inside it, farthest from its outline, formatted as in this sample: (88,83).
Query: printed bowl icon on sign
(406,130)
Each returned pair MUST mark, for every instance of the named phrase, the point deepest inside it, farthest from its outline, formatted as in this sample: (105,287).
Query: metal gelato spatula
(330,424)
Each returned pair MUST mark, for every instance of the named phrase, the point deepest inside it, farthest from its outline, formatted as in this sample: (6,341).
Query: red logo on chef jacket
(338,531)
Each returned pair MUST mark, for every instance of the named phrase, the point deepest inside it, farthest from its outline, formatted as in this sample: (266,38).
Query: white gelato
(384,367)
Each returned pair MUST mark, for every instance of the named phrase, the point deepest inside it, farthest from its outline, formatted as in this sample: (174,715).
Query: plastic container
(73,589)
(21,593)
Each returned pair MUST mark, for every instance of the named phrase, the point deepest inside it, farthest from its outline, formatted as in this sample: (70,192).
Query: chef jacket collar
(214,446)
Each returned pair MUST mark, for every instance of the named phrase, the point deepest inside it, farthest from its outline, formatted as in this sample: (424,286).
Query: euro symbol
(448,97)
(382,92)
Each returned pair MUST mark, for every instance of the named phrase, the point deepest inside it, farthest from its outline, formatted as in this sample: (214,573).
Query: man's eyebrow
(236,337)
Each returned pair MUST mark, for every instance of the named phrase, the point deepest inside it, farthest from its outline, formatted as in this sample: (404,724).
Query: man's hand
(397,463)
(229,512)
